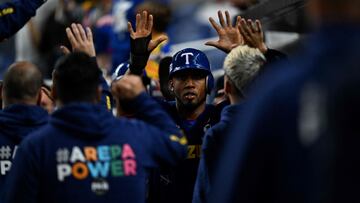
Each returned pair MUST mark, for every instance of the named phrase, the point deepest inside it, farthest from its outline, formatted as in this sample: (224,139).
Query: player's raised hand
(253,34)
(127,88)
(80,40)
(229,35)
(143,28)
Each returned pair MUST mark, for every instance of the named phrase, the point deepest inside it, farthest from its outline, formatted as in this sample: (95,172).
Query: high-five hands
(244,32)
(253,34)
(229,35)
(143,28)
(80,40)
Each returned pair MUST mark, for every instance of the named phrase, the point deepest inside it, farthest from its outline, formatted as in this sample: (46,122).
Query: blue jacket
(211,147)
(84,154)
(279,149)
(16,122)
(177,184)
(215,137)
(15,14)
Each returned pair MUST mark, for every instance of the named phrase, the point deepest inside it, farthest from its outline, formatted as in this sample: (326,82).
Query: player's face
(189,88)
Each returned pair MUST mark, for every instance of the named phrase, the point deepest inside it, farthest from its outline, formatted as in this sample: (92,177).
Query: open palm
(143,28)
(229,35)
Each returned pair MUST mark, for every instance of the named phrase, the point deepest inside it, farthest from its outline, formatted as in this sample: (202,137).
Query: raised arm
(253,34)
(15,14)
(162,139)
(141,43)
(254,37)
(130,91)
(81,40)
(229,35)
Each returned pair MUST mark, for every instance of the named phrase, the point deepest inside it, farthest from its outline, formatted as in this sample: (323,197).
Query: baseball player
(21,114)
(297,138)
(190,80)
(241,67)
(84,154)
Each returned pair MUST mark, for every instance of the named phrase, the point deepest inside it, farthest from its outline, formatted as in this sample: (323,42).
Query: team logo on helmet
(187,57)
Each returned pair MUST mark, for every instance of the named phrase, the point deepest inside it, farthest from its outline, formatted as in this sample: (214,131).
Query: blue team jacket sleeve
(147,108)
(206,165)
(14,15)
(165,142)
(22,184)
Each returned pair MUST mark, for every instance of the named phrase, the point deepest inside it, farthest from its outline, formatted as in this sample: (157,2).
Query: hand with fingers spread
(80,40)
(229,35)
(144,24)
(141,43)
(253,34)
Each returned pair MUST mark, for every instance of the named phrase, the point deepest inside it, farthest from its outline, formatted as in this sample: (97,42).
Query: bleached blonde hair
(242,65)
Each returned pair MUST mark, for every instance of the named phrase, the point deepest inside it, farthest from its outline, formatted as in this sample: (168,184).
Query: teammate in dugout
(248,56)
(84,154)
(190,80)
(21,114)
(82,40)
(241,67)
(297,139)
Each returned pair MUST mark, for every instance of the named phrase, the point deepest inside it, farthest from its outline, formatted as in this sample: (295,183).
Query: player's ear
(227,85)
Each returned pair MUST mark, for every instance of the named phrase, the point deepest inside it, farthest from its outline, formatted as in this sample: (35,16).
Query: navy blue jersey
(279,150)
(14,15)
(84,154)
(211,147)
(177,184)
(16,122)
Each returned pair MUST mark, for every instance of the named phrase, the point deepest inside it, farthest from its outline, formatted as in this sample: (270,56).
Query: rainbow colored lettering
(97,162)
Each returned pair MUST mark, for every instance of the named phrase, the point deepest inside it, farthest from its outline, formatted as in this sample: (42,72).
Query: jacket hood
(16,121)
(82,119)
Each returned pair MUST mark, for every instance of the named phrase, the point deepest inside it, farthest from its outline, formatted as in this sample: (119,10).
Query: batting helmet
(192,59)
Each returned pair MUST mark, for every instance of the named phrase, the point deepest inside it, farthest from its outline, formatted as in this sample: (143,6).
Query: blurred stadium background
(284,21)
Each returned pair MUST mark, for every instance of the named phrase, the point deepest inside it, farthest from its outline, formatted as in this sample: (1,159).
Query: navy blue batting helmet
(189,59)
(192,59)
